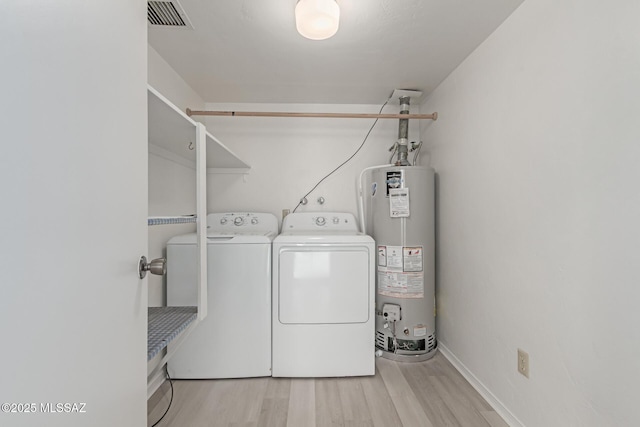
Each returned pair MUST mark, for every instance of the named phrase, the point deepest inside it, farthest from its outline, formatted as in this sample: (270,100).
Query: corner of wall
(169,83)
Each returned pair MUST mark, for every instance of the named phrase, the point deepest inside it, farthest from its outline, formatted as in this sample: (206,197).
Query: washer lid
(225,238)
(241,237)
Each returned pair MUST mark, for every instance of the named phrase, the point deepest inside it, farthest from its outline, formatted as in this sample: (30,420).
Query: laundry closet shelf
(168,220)
(165,324)
(172,135)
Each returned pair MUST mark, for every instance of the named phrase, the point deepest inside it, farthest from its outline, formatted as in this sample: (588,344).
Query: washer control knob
(321,221)
(254,221)
(336,220)
(238,221)
(223,221)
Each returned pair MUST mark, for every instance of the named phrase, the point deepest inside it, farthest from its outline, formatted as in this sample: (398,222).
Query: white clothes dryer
(323,297)
(234,340)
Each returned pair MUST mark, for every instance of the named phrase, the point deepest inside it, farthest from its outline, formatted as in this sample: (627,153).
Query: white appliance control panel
(320,221)
(245,222)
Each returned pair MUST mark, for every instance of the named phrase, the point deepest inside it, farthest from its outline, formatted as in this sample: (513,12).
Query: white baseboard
(495,403)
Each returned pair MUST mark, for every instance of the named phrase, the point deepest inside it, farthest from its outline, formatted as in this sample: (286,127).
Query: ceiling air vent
(167,13)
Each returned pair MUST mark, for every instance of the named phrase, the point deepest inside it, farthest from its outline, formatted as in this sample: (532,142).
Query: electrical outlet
(523,363)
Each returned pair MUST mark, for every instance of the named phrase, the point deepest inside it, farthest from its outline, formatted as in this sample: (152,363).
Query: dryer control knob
(254,221)
(336,220)
(238,221)
(223,221)
(321,221)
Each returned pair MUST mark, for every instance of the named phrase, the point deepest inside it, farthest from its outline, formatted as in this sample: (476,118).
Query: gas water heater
(398,210)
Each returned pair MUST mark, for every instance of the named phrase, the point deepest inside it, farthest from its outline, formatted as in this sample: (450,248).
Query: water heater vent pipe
(403,133)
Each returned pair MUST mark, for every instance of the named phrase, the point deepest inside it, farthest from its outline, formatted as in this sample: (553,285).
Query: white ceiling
(250,51)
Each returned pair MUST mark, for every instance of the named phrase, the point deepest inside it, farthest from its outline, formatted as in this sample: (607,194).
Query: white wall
(171,185)
(537,151)
(168,82)
(288,156)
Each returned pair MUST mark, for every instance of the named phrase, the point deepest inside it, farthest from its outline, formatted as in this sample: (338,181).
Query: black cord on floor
(170,400)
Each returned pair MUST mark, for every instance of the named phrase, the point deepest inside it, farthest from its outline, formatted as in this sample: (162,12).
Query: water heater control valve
(391,312)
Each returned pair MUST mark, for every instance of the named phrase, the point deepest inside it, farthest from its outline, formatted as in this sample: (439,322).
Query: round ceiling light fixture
(317,19)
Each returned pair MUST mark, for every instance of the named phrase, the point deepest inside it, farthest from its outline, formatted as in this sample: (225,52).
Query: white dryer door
(323,285)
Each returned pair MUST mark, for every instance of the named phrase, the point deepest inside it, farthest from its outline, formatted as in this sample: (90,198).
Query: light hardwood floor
(430,393)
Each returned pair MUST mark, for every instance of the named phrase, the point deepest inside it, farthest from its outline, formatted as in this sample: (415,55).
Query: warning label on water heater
(412,258)
(400,271)
(400,285)
(395,180)
(393,257)
(399,203)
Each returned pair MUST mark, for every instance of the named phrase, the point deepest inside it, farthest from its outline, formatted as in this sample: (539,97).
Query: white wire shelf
(167,220)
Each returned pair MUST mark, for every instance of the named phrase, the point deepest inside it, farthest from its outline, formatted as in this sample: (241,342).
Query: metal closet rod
(432,116)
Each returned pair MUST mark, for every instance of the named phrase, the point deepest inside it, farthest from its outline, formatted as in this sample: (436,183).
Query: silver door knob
(157,266)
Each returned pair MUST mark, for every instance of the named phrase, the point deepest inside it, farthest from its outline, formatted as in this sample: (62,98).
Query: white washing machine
(234,340)
(323,297)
